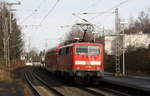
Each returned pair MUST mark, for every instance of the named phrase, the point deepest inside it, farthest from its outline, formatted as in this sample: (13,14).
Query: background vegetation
(15,37)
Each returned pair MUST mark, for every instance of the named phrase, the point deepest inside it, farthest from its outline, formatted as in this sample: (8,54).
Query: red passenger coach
(51,59)
(83,61)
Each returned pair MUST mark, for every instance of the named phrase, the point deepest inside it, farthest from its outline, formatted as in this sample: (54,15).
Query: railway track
(70,89)
(39,87)
(75,90)
(96,91)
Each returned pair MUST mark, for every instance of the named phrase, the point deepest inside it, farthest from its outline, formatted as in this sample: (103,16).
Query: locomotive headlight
(98,68)
(95,63)
(78,67)
(80,62)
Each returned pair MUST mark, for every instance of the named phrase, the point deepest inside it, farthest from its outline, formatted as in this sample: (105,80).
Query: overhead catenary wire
(110,9)
(34,11)
(44,18)
(93,4)
(80,12)
(99,13)
(106,18)
(25,19)
(80,18)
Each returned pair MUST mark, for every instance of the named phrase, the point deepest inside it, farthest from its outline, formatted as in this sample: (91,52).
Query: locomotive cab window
(67,50)
(64,51)
(85,49)
(59,53)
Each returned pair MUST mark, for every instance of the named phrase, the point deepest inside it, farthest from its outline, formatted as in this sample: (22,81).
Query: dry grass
(5,74)
(8,77)
(27,92)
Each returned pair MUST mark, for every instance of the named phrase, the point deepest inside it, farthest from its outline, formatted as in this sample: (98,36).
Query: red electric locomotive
(83,61)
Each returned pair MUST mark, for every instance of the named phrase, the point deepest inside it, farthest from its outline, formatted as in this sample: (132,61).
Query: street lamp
(123,48)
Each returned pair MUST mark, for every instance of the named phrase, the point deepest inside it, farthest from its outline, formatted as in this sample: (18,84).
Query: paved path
(11,89)
(133,81)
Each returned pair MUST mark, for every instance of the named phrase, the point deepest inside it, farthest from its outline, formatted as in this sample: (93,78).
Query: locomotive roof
(80,43)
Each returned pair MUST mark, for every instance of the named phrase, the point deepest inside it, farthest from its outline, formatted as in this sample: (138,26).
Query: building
(136,40)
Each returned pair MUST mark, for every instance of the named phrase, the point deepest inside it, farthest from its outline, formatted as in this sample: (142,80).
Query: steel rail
(105,89)
(31,84)
(94,91)
(45,84)
(41,90)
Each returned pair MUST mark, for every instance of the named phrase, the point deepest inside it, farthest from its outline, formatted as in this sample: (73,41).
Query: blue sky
(51,32)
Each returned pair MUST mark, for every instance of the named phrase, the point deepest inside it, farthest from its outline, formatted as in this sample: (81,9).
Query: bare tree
(15,45)
(78,32)
(142,24)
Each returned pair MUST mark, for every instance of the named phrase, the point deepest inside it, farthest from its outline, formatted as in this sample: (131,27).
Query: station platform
(138,82)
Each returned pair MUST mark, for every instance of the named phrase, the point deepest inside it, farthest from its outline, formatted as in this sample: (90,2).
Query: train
(81,61)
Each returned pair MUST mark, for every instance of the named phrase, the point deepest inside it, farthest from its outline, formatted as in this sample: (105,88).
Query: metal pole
(117,49)
(123,48)
(123,56)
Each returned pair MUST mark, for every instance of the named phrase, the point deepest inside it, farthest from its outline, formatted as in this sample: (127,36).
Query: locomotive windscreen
(85,49)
